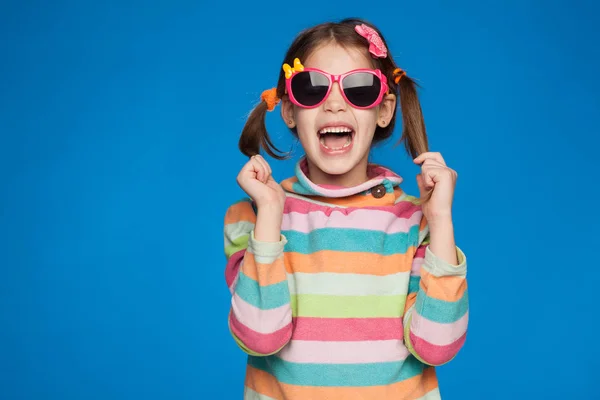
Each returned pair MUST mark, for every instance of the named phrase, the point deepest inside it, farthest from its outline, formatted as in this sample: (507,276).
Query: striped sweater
(351,303)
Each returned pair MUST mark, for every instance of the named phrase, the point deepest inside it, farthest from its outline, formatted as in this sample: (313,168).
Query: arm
(260,318)
(436,312)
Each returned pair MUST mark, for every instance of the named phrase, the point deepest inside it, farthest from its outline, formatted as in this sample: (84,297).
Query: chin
(336,165)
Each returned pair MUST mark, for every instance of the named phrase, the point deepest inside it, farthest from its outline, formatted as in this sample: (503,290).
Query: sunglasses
(361,88)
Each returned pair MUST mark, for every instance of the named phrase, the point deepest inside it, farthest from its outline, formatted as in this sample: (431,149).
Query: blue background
(119,123)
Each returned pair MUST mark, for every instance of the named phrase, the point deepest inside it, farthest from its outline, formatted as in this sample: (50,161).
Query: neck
(357,175)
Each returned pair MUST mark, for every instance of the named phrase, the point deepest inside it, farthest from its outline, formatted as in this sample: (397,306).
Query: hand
(439,181)
(256,180)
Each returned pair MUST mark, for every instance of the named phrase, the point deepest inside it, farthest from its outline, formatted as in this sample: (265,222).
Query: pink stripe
(403,209)
(261,321)
(347,329)
(376,176)
(364,219)
(232,267)
(259,342)
(415,269)
(436,355)
(436,333)
(301,351)
(420,253)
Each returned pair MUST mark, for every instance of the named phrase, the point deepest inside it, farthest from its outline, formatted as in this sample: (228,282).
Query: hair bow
(376,46)
(289,71)
(398,74)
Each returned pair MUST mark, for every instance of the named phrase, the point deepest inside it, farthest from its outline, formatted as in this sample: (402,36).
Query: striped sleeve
(260,318)
(437,307)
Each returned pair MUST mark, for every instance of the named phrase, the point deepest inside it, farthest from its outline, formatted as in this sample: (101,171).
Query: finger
(265,166)
(428,180)
(429,156)
(258,169)
(438,174)
(269,171)
(433,163)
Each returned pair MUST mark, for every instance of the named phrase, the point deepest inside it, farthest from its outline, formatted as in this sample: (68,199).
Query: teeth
(335,129)
(348,141)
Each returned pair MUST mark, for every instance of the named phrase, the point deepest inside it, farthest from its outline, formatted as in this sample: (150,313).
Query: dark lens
(309,87)
(362,88)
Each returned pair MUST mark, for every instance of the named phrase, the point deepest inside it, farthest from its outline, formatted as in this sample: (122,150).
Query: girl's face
(340,158)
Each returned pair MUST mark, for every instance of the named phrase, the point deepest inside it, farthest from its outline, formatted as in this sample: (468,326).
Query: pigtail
(414,134)
(255,135)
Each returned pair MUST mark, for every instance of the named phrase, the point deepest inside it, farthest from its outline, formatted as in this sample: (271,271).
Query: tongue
(334,141)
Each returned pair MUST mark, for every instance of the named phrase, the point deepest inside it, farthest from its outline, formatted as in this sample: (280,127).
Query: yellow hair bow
(289,71)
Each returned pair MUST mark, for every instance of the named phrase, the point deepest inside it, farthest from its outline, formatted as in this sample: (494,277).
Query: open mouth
(336,138)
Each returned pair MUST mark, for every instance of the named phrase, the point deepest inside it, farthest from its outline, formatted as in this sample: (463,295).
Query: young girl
(343,286)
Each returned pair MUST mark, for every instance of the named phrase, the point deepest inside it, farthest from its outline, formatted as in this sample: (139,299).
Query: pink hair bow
(376,46)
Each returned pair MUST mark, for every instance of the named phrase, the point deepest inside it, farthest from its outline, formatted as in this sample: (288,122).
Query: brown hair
(255,135)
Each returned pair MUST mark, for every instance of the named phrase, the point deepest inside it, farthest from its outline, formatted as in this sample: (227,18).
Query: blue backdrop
(119,123)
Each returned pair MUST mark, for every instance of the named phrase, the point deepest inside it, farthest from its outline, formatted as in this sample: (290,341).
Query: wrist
(269,209)
(268,223)
(439,217)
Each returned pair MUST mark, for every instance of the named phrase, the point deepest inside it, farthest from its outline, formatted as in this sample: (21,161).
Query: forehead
(336,59)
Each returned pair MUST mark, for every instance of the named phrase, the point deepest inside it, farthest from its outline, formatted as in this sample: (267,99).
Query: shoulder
(242,210)
(406,199)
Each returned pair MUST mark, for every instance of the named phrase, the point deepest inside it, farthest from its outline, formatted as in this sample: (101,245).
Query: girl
(343,286)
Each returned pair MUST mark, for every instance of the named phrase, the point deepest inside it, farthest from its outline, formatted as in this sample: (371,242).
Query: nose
(335,101)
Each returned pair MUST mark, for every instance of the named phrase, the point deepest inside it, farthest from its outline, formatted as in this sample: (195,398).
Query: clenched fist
(256,180)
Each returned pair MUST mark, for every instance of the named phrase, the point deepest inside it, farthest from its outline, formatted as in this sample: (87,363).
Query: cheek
(305,121)
(367,120)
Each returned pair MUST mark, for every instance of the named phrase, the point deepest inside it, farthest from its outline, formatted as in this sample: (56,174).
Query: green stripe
(343,375)
(324,306)
(351,240)
(234,230)
(239,243)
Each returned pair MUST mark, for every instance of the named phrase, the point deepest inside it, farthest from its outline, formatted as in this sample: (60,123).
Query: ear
(386,110)
(287,112)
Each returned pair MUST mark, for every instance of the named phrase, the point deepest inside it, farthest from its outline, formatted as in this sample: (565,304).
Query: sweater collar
(378,176)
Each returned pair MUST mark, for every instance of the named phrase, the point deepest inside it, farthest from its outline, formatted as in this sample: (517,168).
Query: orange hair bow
(398,74)
(269,96)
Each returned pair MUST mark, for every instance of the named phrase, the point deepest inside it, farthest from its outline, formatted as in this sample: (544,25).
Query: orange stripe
(413,388)
(358,200)
(410,301)
(398,192)
(447,288)
(240,212)
(349,262)
(264,274)
(422,224)
(288,183)
(263,383)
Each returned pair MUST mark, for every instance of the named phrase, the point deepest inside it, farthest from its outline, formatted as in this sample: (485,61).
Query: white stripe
(373,351)
(340,284)
(250,394)
(236,230)
(433,395)
(261,321)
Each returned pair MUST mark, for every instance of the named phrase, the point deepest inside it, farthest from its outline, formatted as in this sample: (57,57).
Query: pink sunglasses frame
(339,78)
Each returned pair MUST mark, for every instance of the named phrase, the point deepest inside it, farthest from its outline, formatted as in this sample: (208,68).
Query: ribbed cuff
(266,252)
(438,267)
